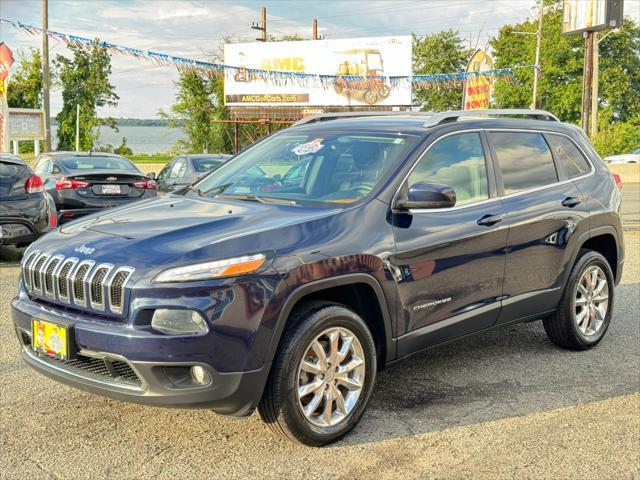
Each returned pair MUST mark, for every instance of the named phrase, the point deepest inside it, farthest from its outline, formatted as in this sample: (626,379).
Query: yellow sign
(478,89)
(3,89)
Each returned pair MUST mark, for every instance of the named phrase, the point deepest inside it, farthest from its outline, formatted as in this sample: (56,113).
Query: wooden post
(315,29)
(45,76)
(594,86)
(235,137)
(537,65)
(587,79)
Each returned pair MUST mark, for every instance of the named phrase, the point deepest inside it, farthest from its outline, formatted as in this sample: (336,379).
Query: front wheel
(322,377)
(586,307)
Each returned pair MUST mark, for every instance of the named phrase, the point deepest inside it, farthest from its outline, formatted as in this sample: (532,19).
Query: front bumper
(155,382)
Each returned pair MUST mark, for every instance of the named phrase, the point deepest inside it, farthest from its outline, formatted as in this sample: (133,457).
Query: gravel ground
(504,404)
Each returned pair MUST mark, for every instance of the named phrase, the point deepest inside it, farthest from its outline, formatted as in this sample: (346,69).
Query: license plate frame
(53,339)
(111,190)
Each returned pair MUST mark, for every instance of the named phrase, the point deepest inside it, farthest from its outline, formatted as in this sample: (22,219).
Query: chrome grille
(48,276)
(36,273)
(85,284)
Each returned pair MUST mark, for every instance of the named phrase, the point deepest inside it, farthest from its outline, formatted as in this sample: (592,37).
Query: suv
(290,297)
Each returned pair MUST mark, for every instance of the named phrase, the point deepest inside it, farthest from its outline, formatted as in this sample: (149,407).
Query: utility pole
(536,68)
(45,76)
(262,26)
(77,127)
(587,80)
(315,29)
(594,85)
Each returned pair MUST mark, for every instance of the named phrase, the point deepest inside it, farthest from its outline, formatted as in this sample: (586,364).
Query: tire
(370,97)
(564,327)
(282,408)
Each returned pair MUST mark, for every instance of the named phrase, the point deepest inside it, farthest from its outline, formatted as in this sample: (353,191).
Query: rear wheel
(585,310)
(323,376)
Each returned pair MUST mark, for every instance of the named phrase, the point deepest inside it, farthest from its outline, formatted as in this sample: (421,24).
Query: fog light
(179,322)
(200,375)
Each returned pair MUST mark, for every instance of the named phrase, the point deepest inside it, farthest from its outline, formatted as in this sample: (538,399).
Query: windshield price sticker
(306,148)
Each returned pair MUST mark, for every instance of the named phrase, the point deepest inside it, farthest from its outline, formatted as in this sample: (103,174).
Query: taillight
(148,184)
(34,184)
(70,184)
(53,219)
(618,180)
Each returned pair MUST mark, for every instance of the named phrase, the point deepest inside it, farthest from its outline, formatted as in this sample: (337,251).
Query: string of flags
(419,82)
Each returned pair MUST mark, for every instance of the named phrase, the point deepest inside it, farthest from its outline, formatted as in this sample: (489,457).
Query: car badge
(111,179)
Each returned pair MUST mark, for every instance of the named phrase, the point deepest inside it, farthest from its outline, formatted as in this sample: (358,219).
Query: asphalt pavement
(504,404)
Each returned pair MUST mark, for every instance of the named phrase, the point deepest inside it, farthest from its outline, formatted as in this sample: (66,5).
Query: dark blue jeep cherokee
(396,233)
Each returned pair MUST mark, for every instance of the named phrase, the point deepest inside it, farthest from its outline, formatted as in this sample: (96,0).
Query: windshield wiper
(255,198)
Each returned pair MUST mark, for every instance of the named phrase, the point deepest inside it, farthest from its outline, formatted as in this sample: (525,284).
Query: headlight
(179,322)
(218,269)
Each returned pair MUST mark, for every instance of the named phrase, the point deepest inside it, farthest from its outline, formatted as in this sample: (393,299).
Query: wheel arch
(354,291)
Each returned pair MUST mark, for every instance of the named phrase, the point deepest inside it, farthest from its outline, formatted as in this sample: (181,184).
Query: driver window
(457,161)
(164,173)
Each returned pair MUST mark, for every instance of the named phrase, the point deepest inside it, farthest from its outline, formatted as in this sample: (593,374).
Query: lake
(139,139)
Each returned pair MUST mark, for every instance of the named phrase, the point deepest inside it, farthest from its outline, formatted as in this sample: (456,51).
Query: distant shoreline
(136,122)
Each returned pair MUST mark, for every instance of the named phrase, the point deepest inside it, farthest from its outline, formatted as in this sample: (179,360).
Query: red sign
(6,60)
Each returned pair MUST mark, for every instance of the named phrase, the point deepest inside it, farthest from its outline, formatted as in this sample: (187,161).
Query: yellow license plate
(50,339)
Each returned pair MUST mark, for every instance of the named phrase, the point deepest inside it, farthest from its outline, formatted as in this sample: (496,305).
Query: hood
(165,229)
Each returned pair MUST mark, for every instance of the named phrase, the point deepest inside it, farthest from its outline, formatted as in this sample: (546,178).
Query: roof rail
(435,118)
(445,117)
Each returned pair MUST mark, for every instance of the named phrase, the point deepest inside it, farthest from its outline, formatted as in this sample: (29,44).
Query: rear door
(450,262)
(544,214)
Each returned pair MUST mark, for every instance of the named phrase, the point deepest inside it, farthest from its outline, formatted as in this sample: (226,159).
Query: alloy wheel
(591,300)
(331,377)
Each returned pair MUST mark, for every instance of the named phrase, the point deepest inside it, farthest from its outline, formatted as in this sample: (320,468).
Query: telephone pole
(536,68)
(587,80)
(315,29)
(45,76)
(594,85)
(262,26)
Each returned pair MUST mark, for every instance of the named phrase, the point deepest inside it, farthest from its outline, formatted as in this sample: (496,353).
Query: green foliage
(25,82)
(85,81)
(615,138)
(123,149)
(441,52)
(198,101)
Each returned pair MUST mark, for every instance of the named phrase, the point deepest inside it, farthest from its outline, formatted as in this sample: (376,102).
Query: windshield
(317,166)
(97,163)
(205,164)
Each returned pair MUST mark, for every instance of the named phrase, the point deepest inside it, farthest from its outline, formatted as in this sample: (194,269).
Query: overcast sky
(194,29)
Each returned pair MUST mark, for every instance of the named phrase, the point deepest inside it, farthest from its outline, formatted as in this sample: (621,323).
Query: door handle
(571,202)
(489,219)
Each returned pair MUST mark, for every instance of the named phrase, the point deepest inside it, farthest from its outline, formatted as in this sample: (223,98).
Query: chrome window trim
(91,263)
(50,294)
(56,276)
(39,273)
(89,282)
(130,270)
(499,197)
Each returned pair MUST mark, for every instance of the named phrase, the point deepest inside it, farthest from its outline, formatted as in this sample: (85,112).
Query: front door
(450,262)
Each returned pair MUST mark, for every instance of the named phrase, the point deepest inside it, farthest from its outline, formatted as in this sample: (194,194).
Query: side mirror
(427,195)
(151,175)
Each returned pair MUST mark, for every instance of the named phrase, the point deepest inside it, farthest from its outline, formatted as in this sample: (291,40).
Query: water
(140,139)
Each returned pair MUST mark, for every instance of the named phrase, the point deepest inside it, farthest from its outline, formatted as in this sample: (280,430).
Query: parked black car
(26,210)
(402,232)
(82,183)
(186,169)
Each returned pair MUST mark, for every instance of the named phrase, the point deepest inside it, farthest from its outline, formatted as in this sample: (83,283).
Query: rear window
(97,163)
(568,156)
(206,164)
(525,160)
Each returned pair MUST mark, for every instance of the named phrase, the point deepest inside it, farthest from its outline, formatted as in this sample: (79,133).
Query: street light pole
(536,68)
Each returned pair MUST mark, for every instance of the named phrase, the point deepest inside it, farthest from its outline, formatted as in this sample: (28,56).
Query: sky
(195,29)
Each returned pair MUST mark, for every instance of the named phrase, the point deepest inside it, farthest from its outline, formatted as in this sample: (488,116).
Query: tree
(197,103)
(85,82)
(441,52)
(560,86)
(25,82)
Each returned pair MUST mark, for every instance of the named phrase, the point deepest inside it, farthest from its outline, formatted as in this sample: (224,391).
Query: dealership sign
(361,66)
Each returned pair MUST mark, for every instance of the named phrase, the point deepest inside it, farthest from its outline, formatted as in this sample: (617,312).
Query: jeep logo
(84,249)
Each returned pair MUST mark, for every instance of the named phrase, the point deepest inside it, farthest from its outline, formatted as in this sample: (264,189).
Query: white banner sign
(375,58)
